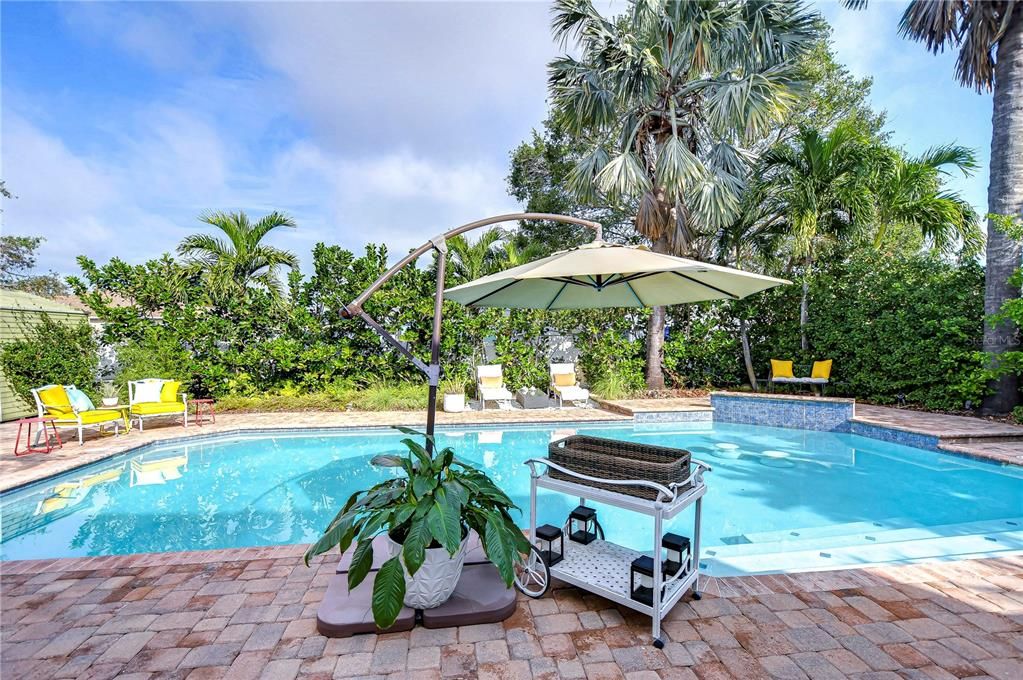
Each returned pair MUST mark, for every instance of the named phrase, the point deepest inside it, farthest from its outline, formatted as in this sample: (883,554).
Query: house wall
(19,314)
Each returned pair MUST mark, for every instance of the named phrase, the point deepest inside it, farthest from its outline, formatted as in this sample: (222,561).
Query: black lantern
(678,553)
(548,533)
(582,525)
(641,580)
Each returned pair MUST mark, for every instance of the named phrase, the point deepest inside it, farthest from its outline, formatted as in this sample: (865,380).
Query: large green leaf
(414,549)
(498,548)
(423,484)
(388,593)
(445,522)
(362,562)
(339,533)
(425,462)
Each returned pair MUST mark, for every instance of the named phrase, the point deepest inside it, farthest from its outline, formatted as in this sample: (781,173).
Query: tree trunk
(655,334)
(1005,197)
(804,306)
(746,356)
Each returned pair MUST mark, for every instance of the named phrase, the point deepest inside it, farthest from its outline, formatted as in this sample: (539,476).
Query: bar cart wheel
(697,596)
(658,643)
(532,575)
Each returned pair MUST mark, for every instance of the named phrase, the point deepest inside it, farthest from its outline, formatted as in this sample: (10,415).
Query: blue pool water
(778,499)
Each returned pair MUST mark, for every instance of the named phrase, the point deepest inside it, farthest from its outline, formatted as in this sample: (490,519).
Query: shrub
(52,353)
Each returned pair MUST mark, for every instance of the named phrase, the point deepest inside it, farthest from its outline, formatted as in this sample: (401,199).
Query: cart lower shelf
(604,568)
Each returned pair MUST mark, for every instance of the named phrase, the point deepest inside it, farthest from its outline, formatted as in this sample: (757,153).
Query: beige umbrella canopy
(601,274)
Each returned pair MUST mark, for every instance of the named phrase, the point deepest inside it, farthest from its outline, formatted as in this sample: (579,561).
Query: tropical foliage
(434,501)
(53,353)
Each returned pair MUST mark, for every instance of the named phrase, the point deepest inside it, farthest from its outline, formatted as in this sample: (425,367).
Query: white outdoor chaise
(565,385)
(490,385)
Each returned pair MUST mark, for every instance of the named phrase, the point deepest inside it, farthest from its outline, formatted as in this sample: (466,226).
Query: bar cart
(605,568)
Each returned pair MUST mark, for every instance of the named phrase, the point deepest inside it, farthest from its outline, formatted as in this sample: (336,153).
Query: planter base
(479,597)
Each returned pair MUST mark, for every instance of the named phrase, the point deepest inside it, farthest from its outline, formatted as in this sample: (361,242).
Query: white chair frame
(498,394)
(556,390)
(131,402)
(76,422)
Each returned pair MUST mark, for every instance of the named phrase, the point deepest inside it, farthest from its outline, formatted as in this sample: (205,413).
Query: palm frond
(623,176)
(961,157)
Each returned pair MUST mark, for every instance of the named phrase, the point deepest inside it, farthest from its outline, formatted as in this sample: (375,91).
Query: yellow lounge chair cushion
(781,369)
(169,391)
(99,415)
(491,381)
(155,407)
(53,504)
(821,369)
(55,398)
(564,379)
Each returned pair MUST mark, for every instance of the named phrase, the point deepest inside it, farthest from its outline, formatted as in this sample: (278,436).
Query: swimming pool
(778,499)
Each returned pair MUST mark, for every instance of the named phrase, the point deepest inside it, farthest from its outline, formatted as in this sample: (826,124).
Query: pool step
(819,559)
(847,529)
(869,536)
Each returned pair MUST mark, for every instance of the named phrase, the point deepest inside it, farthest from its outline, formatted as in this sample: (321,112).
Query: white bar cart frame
(604,568)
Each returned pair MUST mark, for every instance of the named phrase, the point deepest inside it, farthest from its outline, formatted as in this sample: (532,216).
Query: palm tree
(823,185)
(471,260)
(989,37)
(672,97)
(908,194)
(230,267)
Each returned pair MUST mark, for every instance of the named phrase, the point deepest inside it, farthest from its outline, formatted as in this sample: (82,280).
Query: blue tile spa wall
(806,414)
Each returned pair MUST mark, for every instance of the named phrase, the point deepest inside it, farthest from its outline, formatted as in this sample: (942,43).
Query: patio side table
(42,422)
(204,411)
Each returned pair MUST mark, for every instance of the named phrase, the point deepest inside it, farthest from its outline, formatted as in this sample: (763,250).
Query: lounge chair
(156,398)
(146,471)
(565,385)
(53,401)
(490,385)
(781,374)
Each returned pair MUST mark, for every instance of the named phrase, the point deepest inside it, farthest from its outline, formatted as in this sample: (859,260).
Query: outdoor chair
(156,398)
(782,374)
(565,385)
(490,385)
(70,407)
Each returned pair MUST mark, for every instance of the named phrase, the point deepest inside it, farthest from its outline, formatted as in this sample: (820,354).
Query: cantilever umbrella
(601,274)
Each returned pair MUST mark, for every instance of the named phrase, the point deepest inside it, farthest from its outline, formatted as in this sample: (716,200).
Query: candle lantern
(582,525)
(678,553)
(641,580)
(548,534)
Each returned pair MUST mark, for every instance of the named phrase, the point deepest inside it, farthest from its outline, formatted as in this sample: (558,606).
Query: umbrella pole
(434,369)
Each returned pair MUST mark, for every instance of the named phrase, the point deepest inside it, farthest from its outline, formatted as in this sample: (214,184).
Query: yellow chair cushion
(153,407)
(781,369)
(99,415)
(53,504)
(60,413)
(55,398)
(564,379)
(821,369)
(491,381)
(169,391)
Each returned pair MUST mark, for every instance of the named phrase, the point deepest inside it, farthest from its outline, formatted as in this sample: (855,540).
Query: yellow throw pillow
(564,379)
(821,369)
(169,391)
(56,397)
(491,381)
(781,369)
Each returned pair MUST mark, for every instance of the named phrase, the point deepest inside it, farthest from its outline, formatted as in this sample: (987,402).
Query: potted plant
(426,513)
(110,397)
(454,396)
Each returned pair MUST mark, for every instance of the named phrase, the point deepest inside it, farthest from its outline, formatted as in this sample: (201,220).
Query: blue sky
(367,122)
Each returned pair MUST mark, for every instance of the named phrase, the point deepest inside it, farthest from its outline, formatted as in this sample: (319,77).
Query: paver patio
(251,614)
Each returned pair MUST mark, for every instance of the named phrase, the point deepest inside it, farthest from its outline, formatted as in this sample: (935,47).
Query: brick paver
(181,616)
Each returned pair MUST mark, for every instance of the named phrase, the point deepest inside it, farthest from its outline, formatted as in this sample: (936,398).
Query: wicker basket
(614,459)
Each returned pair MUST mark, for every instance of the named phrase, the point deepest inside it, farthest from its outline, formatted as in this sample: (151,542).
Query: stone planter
(454,403)
(110,401)
(435,580)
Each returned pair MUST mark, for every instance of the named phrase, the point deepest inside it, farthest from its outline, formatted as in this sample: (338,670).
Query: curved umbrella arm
(437,243)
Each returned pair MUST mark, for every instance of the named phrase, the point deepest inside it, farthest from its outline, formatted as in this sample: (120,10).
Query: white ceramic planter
(110,401)
(454,403)
(435,580)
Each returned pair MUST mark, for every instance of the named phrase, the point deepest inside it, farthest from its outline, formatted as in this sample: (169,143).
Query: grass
(400,397)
